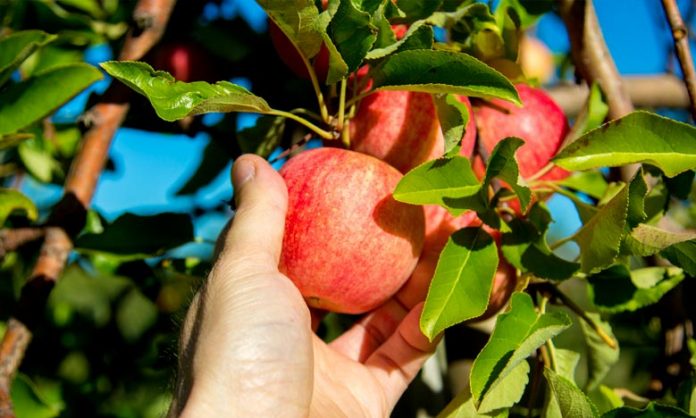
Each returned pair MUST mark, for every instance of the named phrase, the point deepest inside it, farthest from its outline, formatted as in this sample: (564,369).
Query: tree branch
(67,218)
(12,239)
(645,92)
(591,55)
(680,34)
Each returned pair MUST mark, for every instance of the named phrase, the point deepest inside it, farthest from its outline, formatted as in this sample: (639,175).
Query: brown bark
(12,239)
(680,34)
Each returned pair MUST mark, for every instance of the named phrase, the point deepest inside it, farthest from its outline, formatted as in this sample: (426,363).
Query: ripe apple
(540,122)
(291,56)
(402,128)
(185,61)
(348,245)
(536,59)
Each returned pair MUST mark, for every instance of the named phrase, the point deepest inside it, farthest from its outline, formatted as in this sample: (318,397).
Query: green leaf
(653,410)
(600,238)
(438,182)
(683,255)
(462,283)
(529,11)
(462,406)
(571,401)
(417,9)
(38,161)
(618,290)
(502,164)
(12,140)
(134,236)
(592,183)
(637,191)
(23,103)
(453,116)
(16,47)
(506,392)
(12,200)
(596,111)
(640,137)
(646,240)
(353,33)
(173,100)
(299,22)
(566,363)
(442,72)
(516,335)
(135,315)
(606,399)
(600,357)
(28,402)
(418,36)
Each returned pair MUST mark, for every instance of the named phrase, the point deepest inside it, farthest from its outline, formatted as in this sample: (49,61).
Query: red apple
(348,245)
(185,61)
(540,122)
(402,128)
(291,56)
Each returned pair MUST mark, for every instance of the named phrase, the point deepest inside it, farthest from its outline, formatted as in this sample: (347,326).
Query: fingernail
(243,171)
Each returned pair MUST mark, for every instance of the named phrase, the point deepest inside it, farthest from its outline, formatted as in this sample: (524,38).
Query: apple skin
(536,59)
(540,123)
(348,245)
(185,61)
(402,129)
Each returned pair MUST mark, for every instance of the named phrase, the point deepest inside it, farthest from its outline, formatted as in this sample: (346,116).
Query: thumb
(256,234)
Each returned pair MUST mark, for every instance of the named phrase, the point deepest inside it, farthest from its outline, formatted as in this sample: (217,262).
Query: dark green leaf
(353,33)
(262,138)
(417,9)
(23,103)
(572,403)
(653,410)
(299,22)
(600,238)
(683,255)
(418,36)
(516,335)
(502,164)
(637,191)
(17,47)
(600,357)
(453,116)
(462,282)
(12,140)
(442,72)
(529,11)
(680,185)
(174,100)
(215,159)
(618,290)
(12,200)
(439,182)
(640,137)
(136,236)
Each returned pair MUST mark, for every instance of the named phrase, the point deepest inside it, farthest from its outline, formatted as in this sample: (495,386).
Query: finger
(256,234)
(398,360)
(363,338)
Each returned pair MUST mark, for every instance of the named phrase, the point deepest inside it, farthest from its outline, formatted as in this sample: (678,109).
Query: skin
(402,129)
(247,348)
(348,244)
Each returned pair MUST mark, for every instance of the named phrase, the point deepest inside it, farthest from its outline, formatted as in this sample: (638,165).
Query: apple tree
(597,323)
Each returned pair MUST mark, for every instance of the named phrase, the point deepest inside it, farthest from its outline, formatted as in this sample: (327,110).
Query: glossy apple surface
(348,245)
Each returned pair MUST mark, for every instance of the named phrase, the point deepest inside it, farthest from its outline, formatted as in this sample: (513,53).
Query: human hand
(247,346)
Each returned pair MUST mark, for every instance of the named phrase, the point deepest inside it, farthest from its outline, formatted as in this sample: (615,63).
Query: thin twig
(12,239)
(151,17)
(680,33)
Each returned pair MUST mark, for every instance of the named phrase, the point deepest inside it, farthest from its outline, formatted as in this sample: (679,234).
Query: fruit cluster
(348,245)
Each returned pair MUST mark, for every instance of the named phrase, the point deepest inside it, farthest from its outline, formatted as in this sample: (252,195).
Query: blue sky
(149,167)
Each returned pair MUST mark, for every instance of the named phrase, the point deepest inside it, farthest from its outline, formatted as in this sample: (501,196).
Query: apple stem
(355,99)
(606,338)
(561,241)
(342,105)
(550,348)
(301,111)
(543,171)
(317,89)
(321,132)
